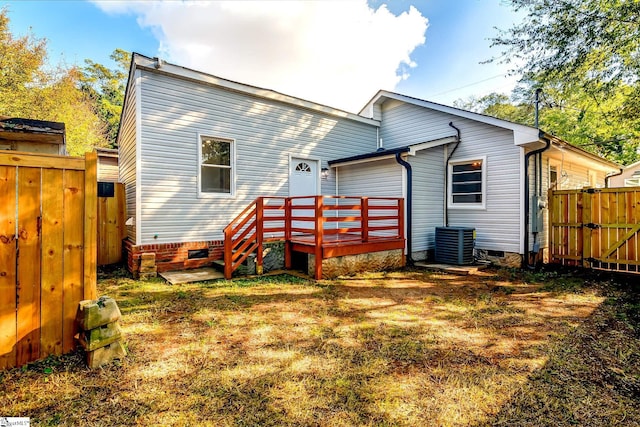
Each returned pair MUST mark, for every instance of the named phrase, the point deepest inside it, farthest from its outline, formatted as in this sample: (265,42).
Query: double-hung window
(216,166)
(467,183)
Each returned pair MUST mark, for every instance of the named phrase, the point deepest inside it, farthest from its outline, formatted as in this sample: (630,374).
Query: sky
(336,53)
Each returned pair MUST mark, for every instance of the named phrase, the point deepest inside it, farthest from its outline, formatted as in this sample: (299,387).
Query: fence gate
(596,228)
(47,252)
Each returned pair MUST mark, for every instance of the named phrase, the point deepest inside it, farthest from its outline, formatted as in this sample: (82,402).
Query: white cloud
(332,52)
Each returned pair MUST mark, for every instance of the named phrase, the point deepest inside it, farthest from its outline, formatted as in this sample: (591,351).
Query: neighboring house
(107,164)
(629,177)
(33,136)
(196,149)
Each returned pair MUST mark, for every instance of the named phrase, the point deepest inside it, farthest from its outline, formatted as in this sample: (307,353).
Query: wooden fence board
(28,344)
(47,252)
(73,223)
(606,228)
(52,262)
(8,332)
(90,231)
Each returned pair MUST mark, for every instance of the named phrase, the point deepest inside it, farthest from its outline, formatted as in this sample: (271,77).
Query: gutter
(527,202)
(409,213)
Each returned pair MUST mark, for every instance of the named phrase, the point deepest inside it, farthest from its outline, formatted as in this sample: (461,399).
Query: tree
(106,87)
(585,54)
(31,89)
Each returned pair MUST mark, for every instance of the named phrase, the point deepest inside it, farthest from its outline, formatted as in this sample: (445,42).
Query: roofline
(522,134)
(368,156)
(159,66)
(564,144)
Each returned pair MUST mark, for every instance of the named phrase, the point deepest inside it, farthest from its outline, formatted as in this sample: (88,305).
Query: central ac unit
(454,245)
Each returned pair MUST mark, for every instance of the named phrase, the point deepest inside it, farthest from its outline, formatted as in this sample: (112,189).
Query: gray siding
(127,155)
(498,225)
(428,198)
(174,111)
(381,178)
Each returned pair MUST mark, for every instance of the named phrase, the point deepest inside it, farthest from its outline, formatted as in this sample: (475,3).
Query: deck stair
(325,226)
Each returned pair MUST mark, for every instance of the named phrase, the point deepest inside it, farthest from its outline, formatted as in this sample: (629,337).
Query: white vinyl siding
(498,225)
(428,198)
(380,178)
(127,155)
(265,134)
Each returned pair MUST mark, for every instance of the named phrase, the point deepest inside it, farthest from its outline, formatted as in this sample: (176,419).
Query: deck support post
(259,233)
(287,233)
(364,215)
(318,231)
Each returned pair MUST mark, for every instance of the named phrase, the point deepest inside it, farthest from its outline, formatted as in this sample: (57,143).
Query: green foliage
(585,55)
(30,89)
(106,87)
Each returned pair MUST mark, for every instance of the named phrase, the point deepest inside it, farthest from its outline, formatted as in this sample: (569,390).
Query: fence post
(586,231)
(90,224)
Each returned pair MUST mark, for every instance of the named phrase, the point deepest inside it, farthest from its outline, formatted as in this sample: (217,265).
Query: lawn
(409,348)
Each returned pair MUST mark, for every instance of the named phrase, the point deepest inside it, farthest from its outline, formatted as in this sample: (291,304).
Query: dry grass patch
(403,349)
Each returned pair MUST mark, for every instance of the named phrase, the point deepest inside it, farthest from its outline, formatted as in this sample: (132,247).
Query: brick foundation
(173,256)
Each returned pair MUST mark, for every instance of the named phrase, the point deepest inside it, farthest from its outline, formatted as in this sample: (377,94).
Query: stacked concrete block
(100,334)
(147,267)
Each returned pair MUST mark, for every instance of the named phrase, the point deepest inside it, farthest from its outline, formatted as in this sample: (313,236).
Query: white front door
(303,177)
(303,181)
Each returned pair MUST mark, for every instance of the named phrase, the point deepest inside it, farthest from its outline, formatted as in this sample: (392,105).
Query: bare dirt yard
(407,348)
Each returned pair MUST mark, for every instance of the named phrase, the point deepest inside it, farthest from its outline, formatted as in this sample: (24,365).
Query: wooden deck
(326,226)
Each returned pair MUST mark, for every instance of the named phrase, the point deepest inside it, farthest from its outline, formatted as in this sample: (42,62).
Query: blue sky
(334,53)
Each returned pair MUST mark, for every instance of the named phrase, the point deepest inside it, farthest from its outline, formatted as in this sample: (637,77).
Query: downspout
(446,177)
(409,212)
(611,175)
(527,202)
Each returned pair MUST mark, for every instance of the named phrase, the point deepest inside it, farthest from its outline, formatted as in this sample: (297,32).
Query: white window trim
(466,206)
(232,193)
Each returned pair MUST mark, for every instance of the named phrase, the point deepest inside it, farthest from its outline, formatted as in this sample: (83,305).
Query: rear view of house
(195,150)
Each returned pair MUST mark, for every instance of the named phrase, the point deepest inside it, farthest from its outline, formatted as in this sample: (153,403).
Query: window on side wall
(216,166)
(467,183)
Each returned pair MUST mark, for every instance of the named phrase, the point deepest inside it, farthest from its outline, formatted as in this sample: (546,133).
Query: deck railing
(310,220)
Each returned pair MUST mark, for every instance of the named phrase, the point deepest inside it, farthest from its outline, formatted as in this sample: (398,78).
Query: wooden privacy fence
(47,252)
(595,228)
(111,222)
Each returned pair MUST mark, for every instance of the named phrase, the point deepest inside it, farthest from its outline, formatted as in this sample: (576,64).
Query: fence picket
(8,331)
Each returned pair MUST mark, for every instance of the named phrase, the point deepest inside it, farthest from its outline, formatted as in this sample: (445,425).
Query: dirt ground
(408,348)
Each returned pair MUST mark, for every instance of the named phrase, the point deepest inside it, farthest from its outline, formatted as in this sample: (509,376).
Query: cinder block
(106,354)
(100,337)
(95,313)
(148,269)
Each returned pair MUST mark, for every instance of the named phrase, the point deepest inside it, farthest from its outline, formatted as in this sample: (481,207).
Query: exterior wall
(498,225)
(619,180)
(266,132)
(107,168)
(428,199)
(127,172)
(571,175)
(380,178)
